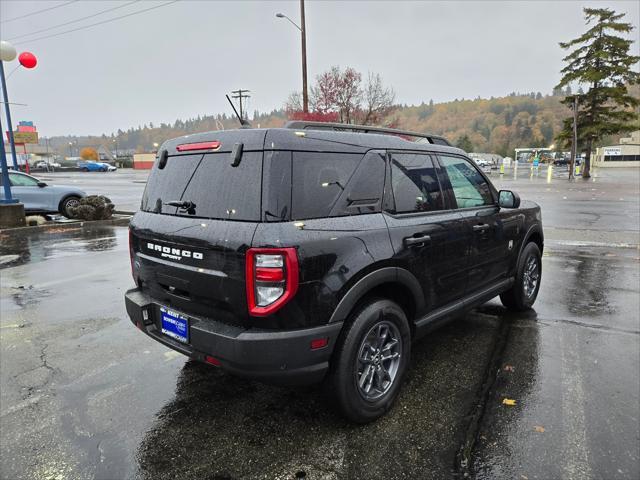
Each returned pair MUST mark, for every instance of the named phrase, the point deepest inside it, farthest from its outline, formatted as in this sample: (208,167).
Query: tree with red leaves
(338,95)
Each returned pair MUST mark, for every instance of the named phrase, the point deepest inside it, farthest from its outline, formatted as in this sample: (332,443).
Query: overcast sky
(179,60)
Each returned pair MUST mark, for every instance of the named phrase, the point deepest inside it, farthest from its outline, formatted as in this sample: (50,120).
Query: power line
(98,23)
(37,12)
(74,21)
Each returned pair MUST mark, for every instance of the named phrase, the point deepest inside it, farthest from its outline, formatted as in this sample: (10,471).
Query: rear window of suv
(217,189)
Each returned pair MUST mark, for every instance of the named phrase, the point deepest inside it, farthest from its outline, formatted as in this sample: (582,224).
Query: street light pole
(574,141)
(303,34)
(303,31)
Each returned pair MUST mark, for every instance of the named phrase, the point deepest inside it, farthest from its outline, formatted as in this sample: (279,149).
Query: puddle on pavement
(18,249)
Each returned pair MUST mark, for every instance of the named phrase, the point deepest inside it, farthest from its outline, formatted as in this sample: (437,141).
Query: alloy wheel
(378,360)
(531,275)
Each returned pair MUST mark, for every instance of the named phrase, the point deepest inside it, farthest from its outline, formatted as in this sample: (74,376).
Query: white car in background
(481,162)
(47,165)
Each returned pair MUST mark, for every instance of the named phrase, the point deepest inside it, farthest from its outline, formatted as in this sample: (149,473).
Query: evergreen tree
(464,143)
(601,59)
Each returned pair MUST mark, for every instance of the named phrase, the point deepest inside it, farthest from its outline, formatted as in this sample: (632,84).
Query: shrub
(93,207)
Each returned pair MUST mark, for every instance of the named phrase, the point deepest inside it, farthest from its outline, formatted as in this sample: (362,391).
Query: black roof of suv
(320,251)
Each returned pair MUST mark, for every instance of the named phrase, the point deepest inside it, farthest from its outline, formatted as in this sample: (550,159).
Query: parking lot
(84,394)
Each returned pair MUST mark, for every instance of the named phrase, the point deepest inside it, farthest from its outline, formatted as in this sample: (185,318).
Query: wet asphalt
(84,394)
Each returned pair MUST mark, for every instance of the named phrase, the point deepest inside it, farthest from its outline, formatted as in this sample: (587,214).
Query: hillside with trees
(495,125)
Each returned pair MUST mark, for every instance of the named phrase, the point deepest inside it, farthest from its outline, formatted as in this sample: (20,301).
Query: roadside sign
(24,137)
(613,151)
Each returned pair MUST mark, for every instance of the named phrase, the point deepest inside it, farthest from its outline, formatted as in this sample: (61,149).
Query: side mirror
(42,184)
(508,199)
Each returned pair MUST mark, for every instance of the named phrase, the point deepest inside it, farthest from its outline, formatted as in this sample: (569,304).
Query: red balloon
(28,60)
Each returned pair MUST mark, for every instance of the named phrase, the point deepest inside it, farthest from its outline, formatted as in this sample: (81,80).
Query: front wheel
(370,361)
(67,203)
(522,295)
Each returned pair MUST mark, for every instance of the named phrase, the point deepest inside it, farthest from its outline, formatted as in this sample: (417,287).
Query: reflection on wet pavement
(18,249)
(251,430)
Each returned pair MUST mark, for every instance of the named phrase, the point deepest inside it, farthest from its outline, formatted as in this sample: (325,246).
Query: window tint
(414,183)
(469,187)
(276,190)
(18,180)
(318,181)
(363,192)
(222,191)
(217,189)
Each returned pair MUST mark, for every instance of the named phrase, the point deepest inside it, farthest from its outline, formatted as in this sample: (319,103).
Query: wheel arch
(534,234)
(394,283)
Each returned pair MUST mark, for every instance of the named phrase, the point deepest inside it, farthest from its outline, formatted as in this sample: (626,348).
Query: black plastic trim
(372,280)
(449,312)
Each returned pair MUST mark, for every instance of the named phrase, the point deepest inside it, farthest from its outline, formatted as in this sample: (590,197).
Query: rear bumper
(280,356)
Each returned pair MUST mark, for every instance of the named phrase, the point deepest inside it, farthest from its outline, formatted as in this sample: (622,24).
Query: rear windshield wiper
(190,207)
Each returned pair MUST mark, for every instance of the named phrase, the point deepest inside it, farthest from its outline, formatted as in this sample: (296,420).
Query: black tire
(85,169)
(346,371)
(70,201)
(522,295)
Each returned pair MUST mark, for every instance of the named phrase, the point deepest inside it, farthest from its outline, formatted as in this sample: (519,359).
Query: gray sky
(178,61)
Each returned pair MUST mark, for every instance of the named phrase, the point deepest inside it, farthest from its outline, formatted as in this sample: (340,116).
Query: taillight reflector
(212,360)
(275,276)
(318,343)
(185,147)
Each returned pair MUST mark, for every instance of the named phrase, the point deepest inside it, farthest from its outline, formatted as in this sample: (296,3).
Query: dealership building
(625,154)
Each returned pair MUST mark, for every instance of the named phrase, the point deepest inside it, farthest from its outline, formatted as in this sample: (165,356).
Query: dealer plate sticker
(174,325)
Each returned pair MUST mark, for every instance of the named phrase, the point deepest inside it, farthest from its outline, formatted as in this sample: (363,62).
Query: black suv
(321,252)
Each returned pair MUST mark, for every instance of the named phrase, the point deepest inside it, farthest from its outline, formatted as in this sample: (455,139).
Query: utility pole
(574,141)
(240,94)
(303,31)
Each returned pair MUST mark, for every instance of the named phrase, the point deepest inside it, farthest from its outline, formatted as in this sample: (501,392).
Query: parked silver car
(39,197)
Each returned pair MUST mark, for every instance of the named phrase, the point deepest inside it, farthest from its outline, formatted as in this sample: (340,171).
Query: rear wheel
(67,203)
(85,169)
(370,361)
(522,295)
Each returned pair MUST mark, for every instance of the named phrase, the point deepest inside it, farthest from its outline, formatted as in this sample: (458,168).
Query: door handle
(481,228)
(417,240)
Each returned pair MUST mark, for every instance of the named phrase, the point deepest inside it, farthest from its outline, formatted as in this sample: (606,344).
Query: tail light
(132,255)
(272,279)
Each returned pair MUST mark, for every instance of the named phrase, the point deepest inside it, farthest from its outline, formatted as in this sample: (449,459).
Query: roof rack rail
(339,127)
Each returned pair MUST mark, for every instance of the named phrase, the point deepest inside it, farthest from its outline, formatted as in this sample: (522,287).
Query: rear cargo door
(191,257)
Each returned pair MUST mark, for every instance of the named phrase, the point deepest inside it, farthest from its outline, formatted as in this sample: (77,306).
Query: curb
(67,225)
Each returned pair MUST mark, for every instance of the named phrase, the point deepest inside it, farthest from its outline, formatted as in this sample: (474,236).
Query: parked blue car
(38,197)
(93,166)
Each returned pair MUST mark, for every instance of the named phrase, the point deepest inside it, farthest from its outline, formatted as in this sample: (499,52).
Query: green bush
(93,207)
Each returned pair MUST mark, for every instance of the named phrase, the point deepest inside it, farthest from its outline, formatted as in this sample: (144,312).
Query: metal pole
(6,185)
(303,31)
(574,141)
(8,112)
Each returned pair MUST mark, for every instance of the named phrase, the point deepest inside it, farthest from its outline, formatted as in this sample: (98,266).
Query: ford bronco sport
(320,252)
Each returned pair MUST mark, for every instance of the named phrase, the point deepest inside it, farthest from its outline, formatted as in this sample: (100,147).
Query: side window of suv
(328,185)
(414,183)
(470,189)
